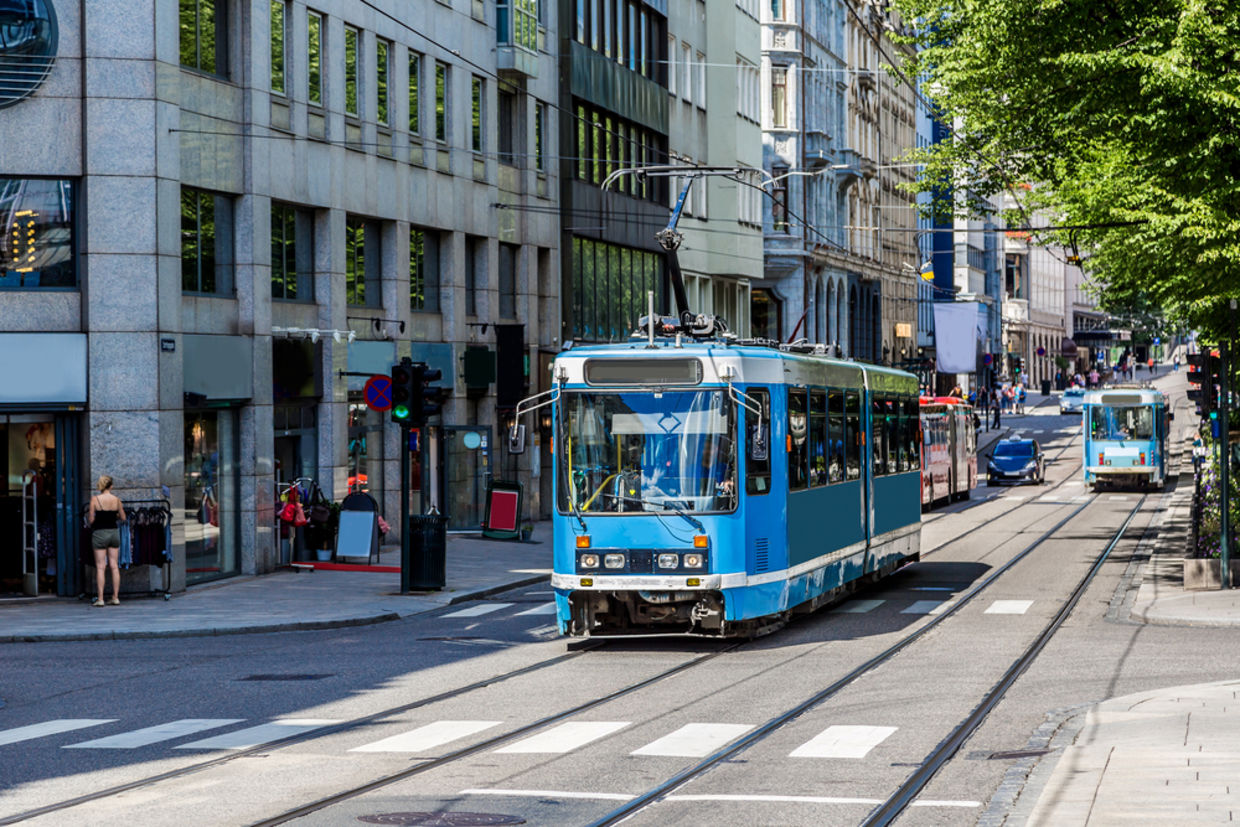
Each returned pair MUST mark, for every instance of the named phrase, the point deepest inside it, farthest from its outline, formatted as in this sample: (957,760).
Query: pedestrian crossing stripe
(843,742)
(565,737)
(480,609)
(1008,607)
(544,609)
(428,737)
(262,734)
(156,734)
(27,733)
(694,740)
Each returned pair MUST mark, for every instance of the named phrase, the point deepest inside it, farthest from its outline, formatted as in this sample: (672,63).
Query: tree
(1126,114)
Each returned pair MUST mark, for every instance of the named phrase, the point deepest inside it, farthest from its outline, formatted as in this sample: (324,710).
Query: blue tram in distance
(1126,432)
(717,488)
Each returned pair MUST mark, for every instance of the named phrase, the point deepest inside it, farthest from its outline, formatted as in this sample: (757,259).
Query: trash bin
(424,568)
(1046,387)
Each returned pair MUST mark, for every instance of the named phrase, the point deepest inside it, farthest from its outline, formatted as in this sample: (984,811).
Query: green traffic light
(400,412)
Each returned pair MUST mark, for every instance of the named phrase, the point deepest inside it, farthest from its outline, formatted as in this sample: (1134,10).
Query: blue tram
(1126,433)
(716,488)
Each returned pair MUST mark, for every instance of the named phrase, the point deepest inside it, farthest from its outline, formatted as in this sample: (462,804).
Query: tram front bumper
(1122,470)
(615,583)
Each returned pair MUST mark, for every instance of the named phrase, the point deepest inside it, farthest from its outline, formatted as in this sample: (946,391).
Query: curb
(295,626)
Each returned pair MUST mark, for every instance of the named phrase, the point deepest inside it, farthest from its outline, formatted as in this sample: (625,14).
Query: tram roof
(1125,396)
(752,363)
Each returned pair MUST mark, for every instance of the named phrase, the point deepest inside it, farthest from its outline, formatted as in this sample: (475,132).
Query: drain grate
(441,819)
(286,677)
(1017,753)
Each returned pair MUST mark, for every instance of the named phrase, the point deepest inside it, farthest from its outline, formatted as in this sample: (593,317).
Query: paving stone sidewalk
(286,600)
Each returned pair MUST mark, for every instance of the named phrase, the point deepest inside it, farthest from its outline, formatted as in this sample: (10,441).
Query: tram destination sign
(643,372)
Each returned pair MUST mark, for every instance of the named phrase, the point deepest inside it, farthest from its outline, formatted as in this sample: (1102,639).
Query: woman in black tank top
(106,510)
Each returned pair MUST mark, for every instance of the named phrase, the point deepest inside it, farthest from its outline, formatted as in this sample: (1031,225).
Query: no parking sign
(378,392)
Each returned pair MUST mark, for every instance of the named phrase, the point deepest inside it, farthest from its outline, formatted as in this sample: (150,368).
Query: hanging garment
(126,551)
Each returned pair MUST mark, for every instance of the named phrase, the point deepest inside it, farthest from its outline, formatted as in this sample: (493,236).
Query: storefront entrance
(465,471)
(39,529)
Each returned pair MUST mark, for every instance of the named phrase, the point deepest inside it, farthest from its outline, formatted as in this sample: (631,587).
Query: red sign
(378,392)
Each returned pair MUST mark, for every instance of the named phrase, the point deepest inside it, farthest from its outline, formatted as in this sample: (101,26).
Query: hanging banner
(955,336)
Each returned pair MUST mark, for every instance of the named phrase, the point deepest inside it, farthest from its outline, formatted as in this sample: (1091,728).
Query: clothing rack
(134,507)
(311,487)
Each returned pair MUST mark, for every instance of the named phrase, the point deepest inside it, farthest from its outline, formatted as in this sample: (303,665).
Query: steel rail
(289,740)
(890,809)
(680,779)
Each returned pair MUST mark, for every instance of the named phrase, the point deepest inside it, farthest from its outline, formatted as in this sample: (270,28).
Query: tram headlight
(669,561)
(613,561)
(588,561)
(691,561)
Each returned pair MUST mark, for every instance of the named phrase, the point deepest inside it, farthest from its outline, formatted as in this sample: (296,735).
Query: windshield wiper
(668,507)
(572,503)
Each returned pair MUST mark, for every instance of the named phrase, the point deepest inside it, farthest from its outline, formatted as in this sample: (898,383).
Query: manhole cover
(285,677)
(442,819)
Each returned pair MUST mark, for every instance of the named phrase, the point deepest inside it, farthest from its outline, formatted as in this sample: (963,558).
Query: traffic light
(1203,371)
(431,398)
(406,391)
(1018,364)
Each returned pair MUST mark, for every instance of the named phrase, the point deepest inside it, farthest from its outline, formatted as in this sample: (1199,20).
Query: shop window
(37,248)
(212,488)
(292,253)
(365,448)
(206,242)
(204,35)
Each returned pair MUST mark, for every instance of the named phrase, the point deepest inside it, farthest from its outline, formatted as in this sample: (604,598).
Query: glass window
(361,262)
(835,436)
(212,494)
(475,97)
(798,439)
(383,65)
(441,102)
(37,248)
(779,97)
(204,36)
(818,438)
(758,471)
(1126,422)
(777,9)
(314,58)
(507,132)
(854,437)
(351,60)
(279,19)
(508,254)
(540,135)
(206,242)
(878,435)
(583,145)
(29,39)
(415,93)
(292,253)
(638,452)
(423,270)
(365,448)
(475,249)
(580,7)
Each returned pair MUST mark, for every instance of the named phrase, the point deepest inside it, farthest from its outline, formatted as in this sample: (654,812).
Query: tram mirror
(759,443)
(516,439)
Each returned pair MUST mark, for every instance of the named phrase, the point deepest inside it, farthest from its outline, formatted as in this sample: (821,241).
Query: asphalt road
(231,697)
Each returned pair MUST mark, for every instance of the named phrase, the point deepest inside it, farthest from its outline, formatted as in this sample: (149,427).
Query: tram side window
(854,437)
(835,436)
(817,438)
(878,435)
(798,443)
(912,423)
(758,471)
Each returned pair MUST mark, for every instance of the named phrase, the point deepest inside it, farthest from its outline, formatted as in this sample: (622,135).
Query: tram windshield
(641,452)
(1130,422)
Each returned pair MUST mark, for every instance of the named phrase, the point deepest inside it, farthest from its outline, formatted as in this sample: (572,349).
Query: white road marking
(427,737)
(922,607)
(155,734)
(1080,498)
(261,734)
(26,733)
(1074,483)
(544,609)
(1008,607)
(480,609)
(843,742)
(1119,497)
(551,794)
(694,740)
(1016,497)
(942,607)
(859,606)
(565,737)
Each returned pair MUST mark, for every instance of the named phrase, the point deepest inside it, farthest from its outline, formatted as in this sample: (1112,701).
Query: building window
(279,21)
(415,94)
(206,242)
(609,288)
(441,102)
(475,272)
(361,262)
(686,71)
(383,67)
(292,253)
(423,270)
(540,136)
(475,118)
(507,133)
(508,254)
(700,81)
(212,494)
(37,248)
(204,36)
(351,59)
(637,42)
(671,68)
(779,199)
(516,23)
(580,8)
(314,58)
(779,97)
(777,9)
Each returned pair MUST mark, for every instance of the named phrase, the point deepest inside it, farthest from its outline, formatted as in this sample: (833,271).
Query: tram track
(926,771)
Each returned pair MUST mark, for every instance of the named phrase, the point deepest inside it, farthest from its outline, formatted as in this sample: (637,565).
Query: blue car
(1016,461)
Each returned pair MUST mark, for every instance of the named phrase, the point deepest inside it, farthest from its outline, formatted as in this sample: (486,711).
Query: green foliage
(1123,112)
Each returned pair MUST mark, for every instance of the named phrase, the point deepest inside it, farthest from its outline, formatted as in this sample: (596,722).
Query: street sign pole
(405,573)
(1224,466)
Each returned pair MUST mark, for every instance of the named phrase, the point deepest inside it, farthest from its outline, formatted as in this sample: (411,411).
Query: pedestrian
(1020,399)
(997,407)
(106,511)
(1093,378)
(1150,365)
(1175,362)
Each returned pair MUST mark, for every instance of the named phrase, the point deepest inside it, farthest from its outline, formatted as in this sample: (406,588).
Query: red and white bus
(948,450)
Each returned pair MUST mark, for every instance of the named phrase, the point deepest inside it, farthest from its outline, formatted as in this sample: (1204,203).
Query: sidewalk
(287,600)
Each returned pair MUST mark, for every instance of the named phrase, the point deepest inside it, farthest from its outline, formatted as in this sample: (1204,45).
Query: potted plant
(527,529)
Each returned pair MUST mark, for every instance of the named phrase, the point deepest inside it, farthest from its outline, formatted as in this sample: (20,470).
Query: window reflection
(36,249)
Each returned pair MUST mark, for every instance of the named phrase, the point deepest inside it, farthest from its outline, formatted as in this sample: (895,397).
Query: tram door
(953,449)
(465,471)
